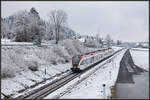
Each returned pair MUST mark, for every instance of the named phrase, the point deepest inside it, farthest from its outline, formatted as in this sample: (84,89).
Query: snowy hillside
(24,66)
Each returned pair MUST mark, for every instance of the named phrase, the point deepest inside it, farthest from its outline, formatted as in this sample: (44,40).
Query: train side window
(82,62)
(100,56)
(85,61)
(97,57)
(91,60)
(88,60)
(94,58)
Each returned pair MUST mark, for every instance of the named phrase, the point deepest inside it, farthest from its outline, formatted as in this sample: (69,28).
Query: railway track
(49,88)
(42,93)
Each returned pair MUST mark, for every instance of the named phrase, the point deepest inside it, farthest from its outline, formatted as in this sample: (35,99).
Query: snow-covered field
(140,58)
(140,49)
(10,42)
(116,48)
(92,87)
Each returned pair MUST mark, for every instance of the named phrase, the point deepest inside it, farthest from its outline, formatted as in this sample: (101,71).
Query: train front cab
(75,63)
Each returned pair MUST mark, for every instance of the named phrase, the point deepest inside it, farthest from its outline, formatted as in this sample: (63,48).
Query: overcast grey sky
(126,21)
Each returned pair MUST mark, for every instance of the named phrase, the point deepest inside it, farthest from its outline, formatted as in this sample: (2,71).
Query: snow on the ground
(16,61)
(140,58)
(143,49)
(39,85)
(116,48)
(29,78)
(92,86)
(10,42)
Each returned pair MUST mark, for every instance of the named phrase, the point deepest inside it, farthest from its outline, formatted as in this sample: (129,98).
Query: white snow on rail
(92,86)
(140,58)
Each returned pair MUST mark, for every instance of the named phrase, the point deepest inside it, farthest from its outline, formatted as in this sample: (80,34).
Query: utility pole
(110,74)
(104,90)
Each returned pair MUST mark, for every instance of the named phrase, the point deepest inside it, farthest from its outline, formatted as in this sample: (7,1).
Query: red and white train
(81,62)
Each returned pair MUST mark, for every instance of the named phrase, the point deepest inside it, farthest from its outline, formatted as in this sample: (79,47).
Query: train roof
(93,52)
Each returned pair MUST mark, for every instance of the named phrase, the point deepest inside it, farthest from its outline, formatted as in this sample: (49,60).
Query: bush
(32,65)
(7,72)
(61,60)
(66,60)
(70,47)
(74,47)
(61,52)
(53,62)
(8,67)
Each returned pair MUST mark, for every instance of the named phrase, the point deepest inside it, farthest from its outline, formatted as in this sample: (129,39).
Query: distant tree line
(96,41)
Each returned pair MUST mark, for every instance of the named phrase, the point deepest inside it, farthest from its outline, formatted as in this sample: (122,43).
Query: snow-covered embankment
(23,67)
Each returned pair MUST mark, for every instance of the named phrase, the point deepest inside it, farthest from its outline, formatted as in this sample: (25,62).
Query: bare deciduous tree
(58,18)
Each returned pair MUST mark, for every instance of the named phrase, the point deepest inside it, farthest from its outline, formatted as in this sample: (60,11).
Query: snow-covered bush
(13,61)
(7,69)
(53,59)
(79,46)
(17,59)
(74,47)
(70,47)
(24,26)
(61,52)
(9,65)
(32,65)
(61,60)
(19,50)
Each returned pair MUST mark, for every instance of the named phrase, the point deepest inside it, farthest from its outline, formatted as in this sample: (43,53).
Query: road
(132,83)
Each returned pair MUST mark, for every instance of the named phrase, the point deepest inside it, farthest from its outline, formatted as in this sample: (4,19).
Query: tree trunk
(56,35)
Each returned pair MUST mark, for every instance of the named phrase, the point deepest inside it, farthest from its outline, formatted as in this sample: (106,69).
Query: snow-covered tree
(108,41)
(101,42)
(4,29)
(28,26)
(49,32)
(90,41)
(65,32)
(97,37)
(58,18)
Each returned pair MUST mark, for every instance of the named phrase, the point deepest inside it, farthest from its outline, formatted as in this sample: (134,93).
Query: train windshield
(76,60)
